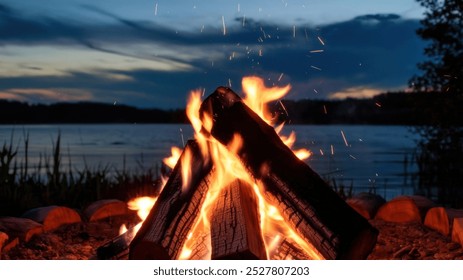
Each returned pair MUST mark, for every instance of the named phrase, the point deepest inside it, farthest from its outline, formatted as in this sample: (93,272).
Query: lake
(367,157)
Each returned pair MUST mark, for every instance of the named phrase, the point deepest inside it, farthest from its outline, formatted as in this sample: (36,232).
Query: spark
(244,20)
(204,92)
(314,90)
(229,83)
(281,76)
(202,29)
(377,104)
(316,68)
(306,35)
(284,108)
(294,31)
(344,138)
(260,52)
(352,157)
(183,139)
(239,7)
(332,150)
(156,9)
(321,152)
(316,51)
(321,41)
(325,110)
(224,27)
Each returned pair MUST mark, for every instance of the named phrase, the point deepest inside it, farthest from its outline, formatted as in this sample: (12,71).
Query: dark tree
(440,150)
(443,27)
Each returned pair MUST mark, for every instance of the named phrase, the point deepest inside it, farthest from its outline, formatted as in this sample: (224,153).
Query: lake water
(370,157)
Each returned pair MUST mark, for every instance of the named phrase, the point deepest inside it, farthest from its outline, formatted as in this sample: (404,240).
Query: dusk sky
(151,53)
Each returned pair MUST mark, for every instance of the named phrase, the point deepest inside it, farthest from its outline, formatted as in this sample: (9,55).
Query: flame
(172,160)
(227,168)
(143,207)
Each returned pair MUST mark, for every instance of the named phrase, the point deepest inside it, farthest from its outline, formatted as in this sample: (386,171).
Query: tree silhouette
(443,26)
(440,150)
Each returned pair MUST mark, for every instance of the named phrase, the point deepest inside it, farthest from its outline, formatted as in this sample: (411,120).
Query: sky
(152,53)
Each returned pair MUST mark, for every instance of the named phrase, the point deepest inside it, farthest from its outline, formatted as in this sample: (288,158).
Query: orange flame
(143,207)
(227,167)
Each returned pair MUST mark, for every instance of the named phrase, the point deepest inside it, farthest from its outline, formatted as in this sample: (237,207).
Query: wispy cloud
(152,65)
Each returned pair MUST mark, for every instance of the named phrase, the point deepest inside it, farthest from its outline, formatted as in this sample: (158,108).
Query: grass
(48,184)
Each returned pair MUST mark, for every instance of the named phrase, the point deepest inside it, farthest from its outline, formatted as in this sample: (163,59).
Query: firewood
(10,244)
(288,250)
(117,247)
(306,201)
(441,219)
(164,231)
(366,204)
(235,225)
(201,248)
(405,209)
(105,208)
(52,217)
(457,231)
(22,228)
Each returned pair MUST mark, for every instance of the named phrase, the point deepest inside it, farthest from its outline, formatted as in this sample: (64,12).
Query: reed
(23,187)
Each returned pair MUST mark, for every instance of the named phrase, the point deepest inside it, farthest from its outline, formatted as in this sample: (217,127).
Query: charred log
(307,203)
(165,230)
(235,226)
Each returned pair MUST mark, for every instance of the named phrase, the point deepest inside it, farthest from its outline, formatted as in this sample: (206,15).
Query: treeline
(390,108)
(12,112)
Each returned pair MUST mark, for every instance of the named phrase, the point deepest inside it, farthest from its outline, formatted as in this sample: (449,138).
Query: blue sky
(149,53)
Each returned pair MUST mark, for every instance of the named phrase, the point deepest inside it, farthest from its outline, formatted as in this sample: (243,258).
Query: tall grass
(48,184)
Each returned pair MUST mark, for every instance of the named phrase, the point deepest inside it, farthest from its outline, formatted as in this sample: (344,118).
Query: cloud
(357,92)
(149,65)
(41,95)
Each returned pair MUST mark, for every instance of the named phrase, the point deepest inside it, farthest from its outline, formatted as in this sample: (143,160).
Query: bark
(164,231)
(441,219)
(405,209)
(105,208)
(116,248)
(366,204)
(305,200)
(235,225)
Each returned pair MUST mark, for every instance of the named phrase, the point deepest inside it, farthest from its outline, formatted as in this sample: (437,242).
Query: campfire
(238,191)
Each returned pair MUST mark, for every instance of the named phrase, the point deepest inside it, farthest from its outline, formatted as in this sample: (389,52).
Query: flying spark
(321,41)
(284,108)
(281,76)
(244,20)
(321,152)
(352,157)
(325,110)
(294,31)
(316,68)
(314,90)
(224,27)
(316,51)
(229,83)
(332,150)
(156,9)
(377,104)
(344,138)
(239,8)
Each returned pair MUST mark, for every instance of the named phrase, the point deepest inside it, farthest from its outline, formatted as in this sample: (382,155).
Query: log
(22,228)
(457,231)
(164,231)
(53,217)
(10,244)
(405,209)
(288,250)
(235,224)
(201,248)
(305,200)
(366,204)
(118,247)
(441,219)
(105,208)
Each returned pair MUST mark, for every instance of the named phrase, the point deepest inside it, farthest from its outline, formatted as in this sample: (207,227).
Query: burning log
(310,206)
(288,250)
(201,250)
(457,231)
(235,226)
(165,230)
